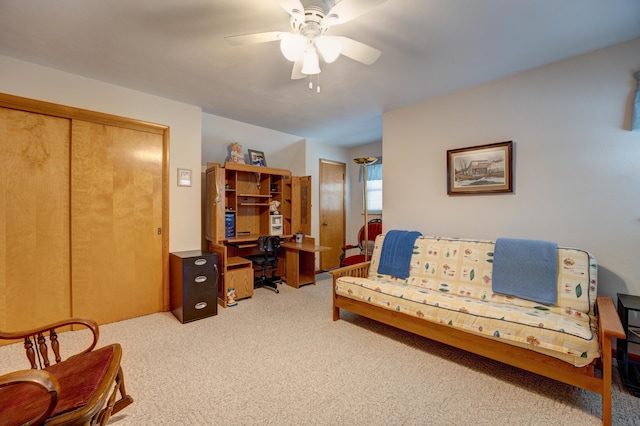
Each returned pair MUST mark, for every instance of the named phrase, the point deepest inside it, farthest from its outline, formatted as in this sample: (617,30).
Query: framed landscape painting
(480,169)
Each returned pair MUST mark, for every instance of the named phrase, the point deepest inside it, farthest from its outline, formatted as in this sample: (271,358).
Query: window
(374,196)
(374,187)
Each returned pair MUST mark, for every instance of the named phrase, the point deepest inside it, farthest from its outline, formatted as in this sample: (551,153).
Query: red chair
(375,229)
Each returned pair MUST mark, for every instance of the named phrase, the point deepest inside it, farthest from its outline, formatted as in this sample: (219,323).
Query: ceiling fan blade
(239,40)
(290,5)
(359,51)
(296,72)
(346,10)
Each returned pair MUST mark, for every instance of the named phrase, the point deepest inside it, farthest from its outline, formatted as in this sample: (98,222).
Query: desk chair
(267,260)
(81,390)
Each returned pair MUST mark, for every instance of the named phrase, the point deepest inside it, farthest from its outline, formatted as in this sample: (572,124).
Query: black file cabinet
(194,284)
(629,369)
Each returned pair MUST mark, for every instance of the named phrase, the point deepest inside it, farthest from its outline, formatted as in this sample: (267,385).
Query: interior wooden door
(332,212)
(34,219)
(116,221)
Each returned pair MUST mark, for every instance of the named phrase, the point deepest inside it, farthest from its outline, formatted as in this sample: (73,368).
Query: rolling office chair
(267,260)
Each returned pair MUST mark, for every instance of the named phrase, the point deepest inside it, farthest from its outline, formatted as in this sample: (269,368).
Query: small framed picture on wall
(184,177)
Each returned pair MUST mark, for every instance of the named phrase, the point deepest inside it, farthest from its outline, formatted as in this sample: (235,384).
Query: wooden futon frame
(595,377)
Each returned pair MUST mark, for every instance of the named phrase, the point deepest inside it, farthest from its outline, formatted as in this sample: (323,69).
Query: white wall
(46,84)
(577,166)
(281,150)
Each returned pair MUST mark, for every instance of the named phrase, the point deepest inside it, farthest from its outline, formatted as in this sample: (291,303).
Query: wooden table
(300,259)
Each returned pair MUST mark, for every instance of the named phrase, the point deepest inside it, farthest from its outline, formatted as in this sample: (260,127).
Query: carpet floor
(280,359)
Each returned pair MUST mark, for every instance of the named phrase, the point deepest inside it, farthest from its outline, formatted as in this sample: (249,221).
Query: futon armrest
(609,323)
(356,270)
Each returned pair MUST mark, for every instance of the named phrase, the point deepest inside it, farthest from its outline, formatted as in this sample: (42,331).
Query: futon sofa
(448,295)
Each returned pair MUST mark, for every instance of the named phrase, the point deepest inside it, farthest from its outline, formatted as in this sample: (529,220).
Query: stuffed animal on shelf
(273,206)
(236,153)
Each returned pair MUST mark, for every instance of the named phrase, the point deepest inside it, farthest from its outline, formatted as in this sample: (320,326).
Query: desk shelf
(255,195)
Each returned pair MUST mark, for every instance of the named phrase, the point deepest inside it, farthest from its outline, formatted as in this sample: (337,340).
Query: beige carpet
(280,359)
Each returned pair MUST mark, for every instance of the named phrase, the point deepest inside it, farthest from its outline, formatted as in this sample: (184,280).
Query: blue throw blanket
(395,257)
(525,269)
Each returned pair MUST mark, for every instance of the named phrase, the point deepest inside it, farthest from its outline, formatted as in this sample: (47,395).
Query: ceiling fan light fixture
(329,47)
(292,46)
(311,64)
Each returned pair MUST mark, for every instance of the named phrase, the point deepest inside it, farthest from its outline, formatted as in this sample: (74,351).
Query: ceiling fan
(308,41)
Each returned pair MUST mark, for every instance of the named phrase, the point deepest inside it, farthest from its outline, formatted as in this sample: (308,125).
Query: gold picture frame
(482,169)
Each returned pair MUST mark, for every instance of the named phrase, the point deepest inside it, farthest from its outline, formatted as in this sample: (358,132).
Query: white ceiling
(176,49)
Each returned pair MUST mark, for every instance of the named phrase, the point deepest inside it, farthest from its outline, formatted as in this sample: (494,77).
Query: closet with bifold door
(83,222)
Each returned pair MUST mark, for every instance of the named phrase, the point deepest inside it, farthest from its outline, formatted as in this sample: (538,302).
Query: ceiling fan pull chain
(318,84)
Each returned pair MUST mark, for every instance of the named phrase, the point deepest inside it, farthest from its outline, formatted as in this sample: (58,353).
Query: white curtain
(374,171)
(374,186)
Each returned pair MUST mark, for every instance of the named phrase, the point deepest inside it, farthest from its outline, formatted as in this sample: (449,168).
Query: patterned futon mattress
(466,301)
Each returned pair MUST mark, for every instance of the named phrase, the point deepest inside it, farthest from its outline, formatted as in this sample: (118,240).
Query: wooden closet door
(34,219)
(116,222)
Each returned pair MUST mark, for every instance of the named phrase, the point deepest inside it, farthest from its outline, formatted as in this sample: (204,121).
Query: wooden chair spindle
(55,345)
(31,353)
(42,347)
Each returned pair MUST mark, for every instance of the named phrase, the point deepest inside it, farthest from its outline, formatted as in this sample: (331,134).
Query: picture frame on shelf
(482,169)
(257,158)
(184,177)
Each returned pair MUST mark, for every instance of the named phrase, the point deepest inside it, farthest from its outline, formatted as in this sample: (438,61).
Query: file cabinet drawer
(198,306)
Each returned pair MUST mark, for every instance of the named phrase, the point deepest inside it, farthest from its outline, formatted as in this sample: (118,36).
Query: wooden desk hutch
(237,212)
